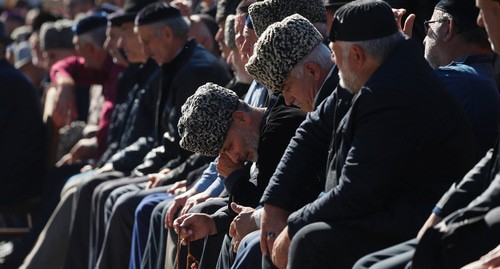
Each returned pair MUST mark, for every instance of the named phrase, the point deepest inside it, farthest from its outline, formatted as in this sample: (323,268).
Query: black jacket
(179,79)
(402,143)
(277,128)
(133,115)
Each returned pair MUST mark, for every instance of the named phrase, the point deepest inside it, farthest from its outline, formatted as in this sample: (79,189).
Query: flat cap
(155,12)
(206,118)
(362,20)
(130,9)
(268,12)
(280,48)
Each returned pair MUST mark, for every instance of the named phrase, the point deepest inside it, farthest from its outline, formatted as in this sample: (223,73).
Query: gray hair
(378,48)
(95,37)
(179,25)
(320,55)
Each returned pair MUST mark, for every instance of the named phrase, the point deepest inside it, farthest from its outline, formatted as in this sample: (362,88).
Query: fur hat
(229,33)
(22,54)
(56,35)
(206,118)
(224,8)
(268,12)
(280,48)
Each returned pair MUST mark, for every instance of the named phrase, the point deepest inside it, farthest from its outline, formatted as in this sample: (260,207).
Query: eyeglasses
(426,23)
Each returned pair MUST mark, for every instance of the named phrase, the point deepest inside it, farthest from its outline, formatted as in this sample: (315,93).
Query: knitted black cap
(363,20)
(464,12)
(89,23)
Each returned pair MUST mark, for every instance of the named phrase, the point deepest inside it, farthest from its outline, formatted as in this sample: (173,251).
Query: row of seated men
(312,156)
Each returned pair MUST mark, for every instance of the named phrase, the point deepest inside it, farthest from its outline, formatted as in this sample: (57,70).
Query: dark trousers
(98,216)
(396,257)
(330,245)
(77,255)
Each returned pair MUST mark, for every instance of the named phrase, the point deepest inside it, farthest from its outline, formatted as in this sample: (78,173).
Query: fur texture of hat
(229,33)
(206,118)
(56,35)
(280,48)
(268,12)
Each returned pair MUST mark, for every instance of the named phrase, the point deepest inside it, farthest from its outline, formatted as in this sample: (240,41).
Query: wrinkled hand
(154,179)
(194,226)
(178,187)
(108,167)
(280,249)
(194,200)
(410,20)
(177,204)
(492,258)
(242,224)
(183,7)
(429,223)
(273,221)
(65,103)
(85,148)
(225,166)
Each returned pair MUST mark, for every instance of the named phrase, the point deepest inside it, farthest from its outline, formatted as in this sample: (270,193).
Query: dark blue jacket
(22,139)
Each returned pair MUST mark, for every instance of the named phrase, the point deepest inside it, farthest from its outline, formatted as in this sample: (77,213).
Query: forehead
(145,31)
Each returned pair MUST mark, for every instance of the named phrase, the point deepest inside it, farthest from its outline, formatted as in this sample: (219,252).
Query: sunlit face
(239,26)
(248,44)
(110,44)
(241,144)
(84,50)
(348,78)
(433,44)
(152,43)
(300,91)
(129,41)
(219,38)
(489,18)
(36,52)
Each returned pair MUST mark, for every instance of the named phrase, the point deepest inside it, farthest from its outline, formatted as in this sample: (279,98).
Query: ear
(313,69)
(357,57)
(241,118)
(451,30)
(168,34)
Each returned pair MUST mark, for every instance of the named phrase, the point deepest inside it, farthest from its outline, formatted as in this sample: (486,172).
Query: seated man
(21,136)
(403,141)
(238,133)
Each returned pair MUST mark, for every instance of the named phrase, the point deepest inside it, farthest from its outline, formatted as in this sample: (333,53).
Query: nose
(479,20)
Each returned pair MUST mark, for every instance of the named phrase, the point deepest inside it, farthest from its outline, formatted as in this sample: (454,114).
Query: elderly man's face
(248,44)
(433,42)
(241,144)
(349,80)
(129,41)
(489,18)
(301,91)
(153,43)
(219,37)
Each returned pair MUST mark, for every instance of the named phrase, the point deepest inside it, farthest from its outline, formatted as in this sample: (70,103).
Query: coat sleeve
(374,162)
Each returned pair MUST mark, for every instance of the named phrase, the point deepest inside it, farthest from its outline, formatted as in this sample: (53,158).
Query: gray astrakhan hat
(229,33)
(280,48)
(206,118)
(56,35)
(268,12)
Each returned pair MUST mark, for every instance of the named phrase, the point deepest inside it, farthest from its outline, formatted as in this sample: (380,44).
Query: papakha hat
(268,12)
(280,48)
(229,33)
(56,35)
(206,118)
(224,8)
